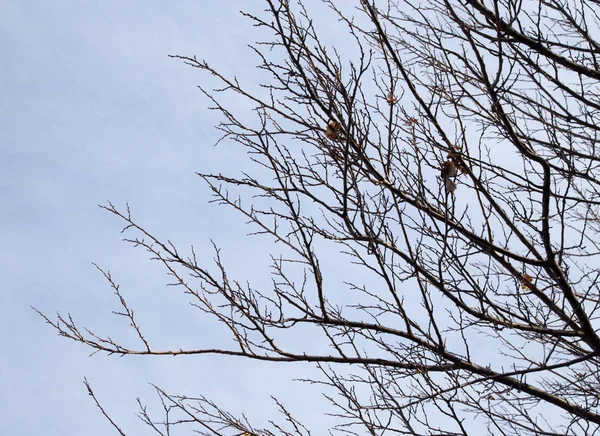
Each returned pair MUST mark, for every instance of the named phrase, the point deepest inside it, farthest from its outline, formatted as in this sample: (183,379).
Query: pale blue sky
(91,108)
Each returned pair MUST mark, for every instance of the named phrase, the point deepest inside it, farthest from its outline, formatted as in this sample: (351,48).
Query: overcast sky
(92,109)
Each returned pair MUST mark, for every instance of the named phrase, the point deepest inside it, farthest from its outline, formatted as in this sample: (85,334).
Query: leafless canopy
(444,153)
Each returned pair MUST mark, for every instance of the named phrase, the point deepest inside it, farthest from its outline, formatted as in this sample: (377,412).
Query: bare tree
(451,158)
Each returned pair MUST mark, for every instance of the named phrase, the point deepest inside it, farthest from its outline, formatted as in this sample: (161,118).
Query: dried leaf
(455,159)
(448,169)
(391,99)
(450,186)
(333,129)
(527,281)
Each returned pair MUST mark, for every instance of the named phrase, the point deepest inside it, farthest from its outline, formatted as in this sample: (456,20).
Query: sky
(93,109)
